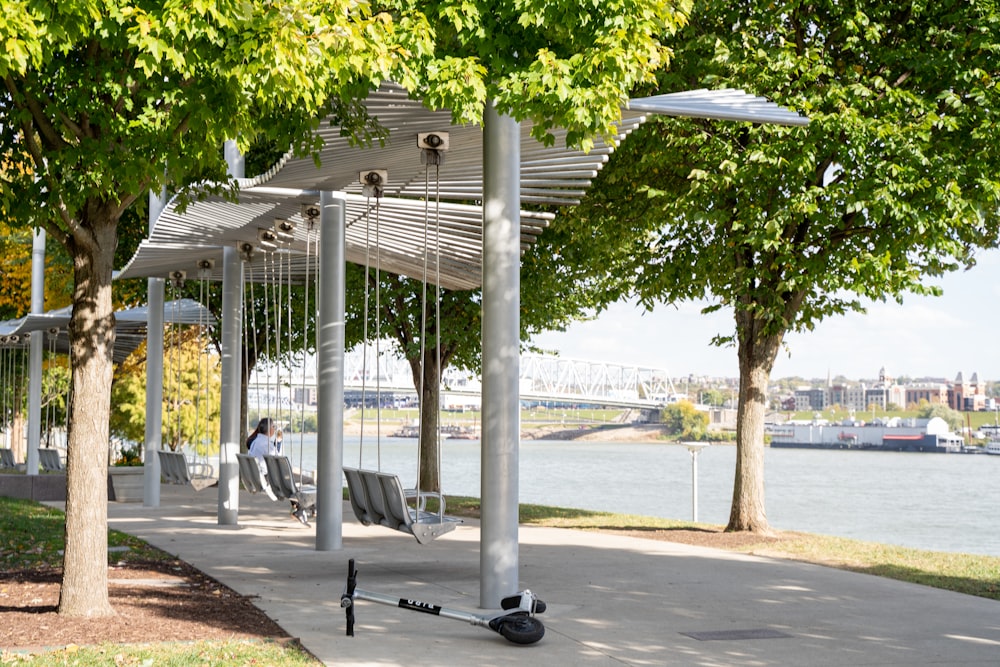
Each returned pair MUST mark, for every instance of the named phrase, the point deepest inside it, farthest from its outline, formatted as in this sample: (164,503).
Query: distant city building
(935,393)
(961,395)
(967,396)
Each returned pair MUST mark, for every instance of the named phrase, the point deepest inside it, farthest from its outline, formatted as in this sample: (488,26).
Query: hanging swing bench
(378,498)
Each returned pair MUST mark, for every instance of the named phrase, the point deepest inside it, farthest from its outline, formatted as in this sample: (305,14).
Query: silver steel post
(232,361)
(498,559)
(154,370)
(694,448)
(229,428)
(331,302)
(35,351)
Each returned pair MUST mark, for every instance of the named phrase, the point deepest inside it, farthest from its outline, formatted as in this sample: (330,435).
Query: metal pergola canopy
(130,326)
(406,232)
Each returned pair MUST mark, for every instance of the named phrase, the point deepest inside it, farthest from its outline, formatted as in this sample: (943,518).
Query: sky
(924,337)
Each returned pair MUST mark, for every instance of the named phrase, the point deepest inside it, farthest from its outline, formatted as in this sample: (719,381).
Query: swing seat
(48,457)
(174,469)
(379,498)
(250,473)
(279,474)
(7,460)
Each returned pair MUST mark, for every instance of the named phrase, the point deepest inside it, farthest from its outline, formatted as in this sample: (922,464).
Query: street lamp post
(694,448)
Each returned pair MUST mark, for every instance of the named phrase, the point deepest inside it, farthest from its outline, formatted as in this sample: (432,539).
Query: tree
(559,64)
(104,102)
(895,179)
(191,383)
(954,418)
(15,272)
(683,419)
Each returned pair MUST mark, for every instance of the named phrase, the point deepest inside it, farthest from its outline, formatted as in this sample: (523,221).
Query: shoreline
(582,432)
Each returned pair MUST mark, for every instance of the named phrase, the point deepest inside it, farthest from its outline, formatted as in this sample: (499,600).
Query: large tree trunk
(756,358)
(84,589)
(430,413)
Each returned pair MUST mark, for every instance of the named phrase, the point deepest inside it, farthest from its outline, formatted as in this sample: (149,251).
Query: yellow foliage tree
(192,383)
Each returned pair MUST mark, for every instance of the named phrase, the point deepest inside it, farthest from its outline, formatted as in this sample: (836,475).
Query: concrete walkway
(611,600)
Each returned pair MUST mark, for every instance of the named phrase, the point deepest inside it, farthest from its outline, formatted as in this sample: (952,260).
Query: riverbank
(581,432)
(602,433)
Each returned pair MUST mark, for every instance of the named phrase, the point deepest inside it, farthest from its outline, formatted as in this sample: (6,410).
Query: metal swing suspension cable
(268,275)
(8,389)
(285,298)
(4,358)
(437,318)
(277,296)
(47,426)
(289,345)
(200,436)
(176,364)
(50,403)
(364,335)
(289,332)
(378,337)
(250,334)
(437,321)
(378,332)
(305,345)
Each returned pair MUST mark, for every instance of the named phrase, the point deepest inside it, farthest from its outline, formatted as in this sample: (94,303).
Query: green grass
(31,538)
(964,573)
(228,653)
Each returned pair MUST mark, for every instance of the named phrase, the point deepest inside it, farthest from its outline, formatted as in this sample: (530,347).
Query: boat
(993,446)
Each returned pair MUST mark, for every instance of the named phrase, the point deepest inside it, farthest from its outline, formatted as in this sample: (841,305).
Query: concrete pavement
(611,600)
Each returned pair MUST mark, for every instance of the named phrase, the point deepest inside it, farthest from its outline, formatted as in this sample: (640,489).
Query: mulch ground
(153,602)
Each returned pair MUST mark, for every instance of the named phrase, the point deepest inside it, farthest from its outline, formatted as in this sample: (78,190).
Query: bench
(49,459)
(174,469)
(279,474)
(7,460)
(250,473)
(378,498)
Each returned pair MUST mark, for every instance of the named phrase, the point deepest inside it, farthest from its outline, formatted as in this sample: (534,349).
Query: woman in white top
(259,444)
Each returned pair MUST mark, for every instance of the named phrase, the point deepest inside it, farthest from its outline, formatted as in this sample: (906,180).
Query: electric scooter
(517,624)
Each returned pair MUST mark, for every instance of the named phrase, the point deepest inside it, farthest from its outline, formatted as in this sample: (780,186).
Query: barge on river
(893,435)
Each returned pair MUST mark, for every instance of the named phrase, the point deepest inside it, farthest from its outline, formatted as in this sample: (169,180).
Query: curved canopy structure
(130,326)
(554,175)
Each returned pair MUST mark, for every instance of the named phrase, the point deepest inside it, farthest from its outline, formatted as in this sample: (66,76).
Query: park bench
(49,459)
(302,498)
(379,498)
(175,469)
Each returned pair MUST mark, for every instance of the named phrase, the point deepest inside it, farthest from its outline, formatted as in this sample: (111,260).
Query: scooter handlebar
(347,598)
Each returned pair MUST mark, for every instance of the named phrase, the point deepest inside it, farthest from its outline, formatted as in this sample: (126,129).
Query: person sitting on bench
(265,440)
(260,444)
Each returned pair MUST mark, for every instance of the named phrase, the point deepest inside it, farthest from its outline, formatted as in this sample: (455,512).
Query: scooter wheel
(519,628)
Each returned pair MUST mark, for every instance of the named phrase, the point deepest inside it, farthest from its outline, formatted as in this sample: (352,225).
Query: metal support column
(498,554)
(35,351)
(232,362)
(154,370)
(331,301)
(229,429)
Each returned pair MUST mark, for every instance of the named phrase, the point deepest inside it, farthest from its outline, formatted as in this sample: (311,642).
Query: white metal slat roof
(552,175)
(130,328)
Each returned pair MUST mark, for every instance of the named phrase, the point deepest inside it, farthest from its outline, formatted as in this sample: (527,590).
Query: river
(941,502)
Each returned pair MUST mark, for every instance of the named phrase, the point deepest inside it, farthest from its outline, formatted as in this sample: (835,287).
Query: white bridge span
(542,379)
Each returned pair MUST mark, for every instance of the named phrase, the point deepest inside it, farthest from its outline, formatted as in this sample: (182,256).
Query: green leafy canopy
(895,178)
